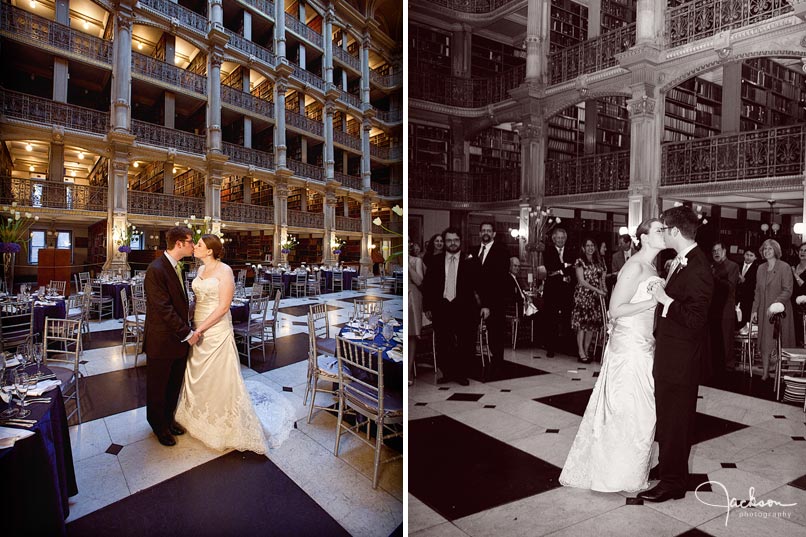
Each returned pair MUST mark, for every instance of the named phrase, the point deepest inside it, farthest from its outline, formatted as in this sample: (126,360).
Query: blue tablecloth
(57,311)
(112,289)
(392,370)
(347,280)
(38,472)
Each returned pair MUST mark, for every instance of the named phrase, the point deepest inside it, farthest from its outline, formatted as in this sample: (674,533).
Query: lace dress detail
(216,406)
(613,446)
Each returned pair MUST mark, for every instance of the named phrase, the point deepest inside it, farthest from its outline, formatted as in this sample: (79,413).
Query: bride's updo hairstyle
(643,229)
(214,243)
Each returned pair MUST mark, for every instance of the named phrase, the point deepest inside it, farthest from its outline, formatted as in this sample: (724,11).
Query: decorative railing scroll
(174,12)
(591,55)
(349,181)
(349,98)
(31,109)
(303,30)
(594,173)
(248,156)
(470,6)
(464,187)
(306,219)
(308,78)
(244,100)
(158,204)
(162,137)
(250,48)
(463,92)
(305,123)
(308,171)
(265,7)
(345,57)
(387,190)
(344,223)
(391,116)
(353,142)
(386,81)
(245,212)
(52,195)
(171,74)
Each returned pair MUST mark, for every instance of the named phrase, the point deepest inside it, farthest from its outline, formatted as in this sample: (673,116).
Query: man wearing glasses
(167,335)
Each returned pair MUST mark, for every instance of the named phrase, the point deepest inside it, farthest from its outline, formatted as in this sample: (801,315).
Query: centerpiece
(14,235)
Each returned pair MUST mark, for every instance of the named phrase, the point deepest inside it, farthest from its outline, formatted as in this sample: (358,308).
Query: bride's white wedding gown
(216,406)
(613,446)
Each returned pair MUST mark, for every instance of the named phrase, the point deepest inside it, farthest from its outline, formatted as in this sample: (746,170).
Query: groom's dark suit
(166,326)
(681,344)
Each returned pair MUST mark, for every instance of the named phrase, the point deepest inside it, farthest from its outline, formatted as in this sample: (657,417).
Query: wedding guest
(451,302)
(558,291)
(604,256)
(625,250)
(774,283)
(415,320)
(722,314)
(434,248)
(746,288)
(493,260)
(586,317)
(799,273)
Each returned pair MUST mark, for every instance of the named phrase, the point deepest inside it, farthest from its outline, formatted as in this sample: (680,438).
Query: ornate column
(212,185)
(533,186)
(214,61)
(122,68)
(279,31)
(328,149)
(366,236)
(365,68)
(56,169)
(537,21)
(366,170)
(646,125)
(117,201)
(280,87)
(650,19)
(329,207)
(327,34)
(462,44)
(280,194)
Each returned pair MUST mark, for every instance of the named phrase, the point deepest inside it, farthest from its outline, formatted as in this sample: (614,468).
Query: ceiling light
(139,46)
(29,147)
(33,4)
(136,164)
(86,25)
(31,168)
(174,170)
(177,59)
(80,155)
(73,173)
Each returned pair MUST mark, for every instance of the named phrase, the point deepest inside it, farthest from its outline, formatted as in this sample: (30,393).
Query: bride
(613,446)
(216,406)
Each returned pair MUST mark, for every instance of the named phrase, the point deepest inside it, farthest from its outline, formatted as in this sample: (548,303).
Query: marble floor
(485,459)
(123,473)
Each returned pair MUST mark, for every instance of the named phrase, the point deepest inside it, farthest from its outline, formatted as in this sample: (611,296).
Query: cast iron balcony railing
(345,223)
(385,153)
(247,101)
(470,6)
(27,27)
(248,156)
(464,187)
(303,30)
(388,191)
(391,116)
(591,55)
(308,171)
(463,92)
(691,21)
(343,138)
(778,151)
(346,58)
(305,123)
(265,7)
(250,48)
(170,74)
(593,173)
(245,212)
(159,136)
(31,109)
(349,181)
(306,219)
(158,204)
(52,195)
(308,78)
(349,98)
(386,81)
(176,14)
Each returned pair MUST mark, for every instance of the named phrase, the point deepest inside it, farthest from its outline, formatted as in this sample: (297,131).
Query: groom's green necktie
(179,275)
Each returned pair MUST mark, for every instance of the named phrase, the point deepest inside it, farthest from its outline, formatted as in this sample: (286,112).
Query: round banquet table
(38,471)
(392,370)
(112,289)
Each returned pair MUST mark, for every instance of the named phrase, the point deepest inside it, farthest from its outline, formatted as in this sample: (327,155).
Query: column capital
(216,57)
(642,106)
(531,129)
(281,85)
(124,19)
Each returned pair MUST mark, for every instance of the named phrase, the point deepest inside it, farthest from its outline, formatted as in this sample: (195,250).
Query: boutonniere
(683,262)
(469,256)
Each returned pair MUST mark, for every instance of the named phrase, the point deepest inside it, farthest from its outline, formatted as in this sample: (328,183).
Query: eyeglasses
(664,228)
(187,240)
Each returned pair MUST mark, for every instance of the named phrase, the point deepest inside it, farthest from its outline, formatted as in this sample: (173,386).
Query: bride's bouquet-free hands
(652,284)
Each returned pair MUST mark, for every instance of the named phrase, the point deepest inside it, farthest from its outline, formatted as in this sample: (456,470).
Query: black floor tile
(574,402)
(694,532)
(236,494)
(299,311)
(103,338)
(728,465)
(634,501)
(114,449)
(287,350)
(799,482)
(465,397)
(507,370)
(457,470)
(111,393)
(741,383)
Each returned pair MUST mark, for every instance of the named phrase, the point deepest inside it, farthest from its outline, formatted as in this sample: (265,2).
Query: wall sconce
(516,234)
(29,147)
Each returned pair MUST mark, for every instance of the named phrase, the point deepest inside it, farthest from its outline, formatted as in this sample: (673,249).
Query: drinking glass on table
(5,395)
(21,385)
(38,353)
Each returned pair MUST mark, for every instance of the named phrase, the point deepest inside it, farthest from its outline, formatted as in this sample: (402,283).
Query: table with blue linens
(392,370)
(239,310)
(112,289)
(37,472)
(52,307)
(347,279)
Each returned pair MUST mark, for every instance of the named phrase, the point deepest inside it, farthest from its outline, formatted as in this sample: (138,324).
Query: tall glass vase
(9,258)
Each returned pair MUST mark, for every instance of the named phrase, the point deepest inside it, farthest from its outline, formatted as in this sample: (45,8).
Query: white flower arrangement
(683,260)
(776,307)
(801,300)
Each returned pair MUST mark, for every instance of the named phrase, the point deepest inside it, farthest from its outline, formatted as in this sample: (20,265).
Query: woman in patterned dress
(586,317)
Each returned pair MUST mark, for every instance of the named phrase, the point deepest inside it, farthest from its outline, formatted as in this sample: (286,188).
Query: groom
(167,335)
(681,335)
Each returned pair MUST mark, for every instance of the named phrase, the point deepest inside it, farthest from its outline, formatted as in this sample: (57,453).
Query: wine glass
(21,385)
(38,353)
(5,395)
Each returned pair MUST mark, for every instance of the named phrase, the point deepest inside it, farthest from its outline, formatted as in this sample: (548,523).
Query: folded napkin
(42,387)
(395,355)
(12,362)
(43,303)
(351,336)
(10,435)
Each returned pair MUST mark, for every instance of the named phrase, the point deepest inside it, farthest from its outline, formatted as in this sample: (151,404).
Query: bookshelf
(693,110)
(295,199)
(314,111)
(308,250)
(150,179)
(190,184)
(198,64)
(292,101)
(429,50)
(99,175)
(353,127)
(264,90)
(490,58)
(772,95)
(315,202)
(262,193)
(569,24)
(428,146)
(617,13)
(612,124)
(96,251)
(566,133)
(234,79)
(494,149)
(232,189)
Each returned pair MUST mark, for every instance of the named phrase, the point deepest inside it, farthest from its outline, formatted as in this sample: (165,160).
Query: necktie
(481,253)
(560,252)
(744,269)
(450,280)
(179,275)
(673,269)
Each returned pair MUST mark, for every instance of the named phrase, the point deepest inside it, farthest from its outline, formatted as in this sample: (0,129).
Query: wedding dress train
(216,406)
(613,446)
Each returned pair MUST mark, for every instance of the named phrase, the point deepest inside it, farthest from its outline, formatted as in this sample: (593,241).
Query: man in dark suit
(167,335)
(722,316)
(624,252)
(493,259)
(681,341)
(558,291)
(451,302)
(746,288)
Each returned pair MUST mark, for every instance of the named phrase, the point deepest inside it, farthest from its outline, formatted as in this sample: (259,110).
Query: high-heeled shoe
(583,359)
